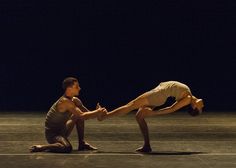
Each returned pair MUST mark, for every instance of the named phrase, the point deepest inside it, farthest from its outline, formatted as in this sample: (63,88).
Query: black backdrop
(117,50)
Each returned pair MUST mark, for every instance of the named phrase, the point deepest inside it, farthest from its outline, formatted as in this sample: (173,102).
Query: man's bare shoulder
(64,104)
(77,101)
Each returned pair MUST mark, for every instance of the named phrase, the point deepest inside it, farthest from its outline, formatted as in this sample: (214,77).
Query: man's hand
(103,113)
(98,106)
(101,110)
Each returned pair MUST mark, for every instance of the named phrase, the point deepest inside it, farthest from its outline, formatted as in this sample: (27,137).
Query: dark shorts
(52,136)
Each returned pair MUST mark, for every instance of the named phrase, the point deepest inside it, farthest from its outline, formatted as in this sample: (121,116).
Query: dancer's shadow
(151,153)
(173,153)
(104,152)
(110,152)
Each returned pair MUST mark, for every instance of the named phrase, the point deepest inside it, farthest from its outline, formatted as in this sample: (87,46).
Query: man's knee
(74,118)
(67,149)
(64,148)
(61,148)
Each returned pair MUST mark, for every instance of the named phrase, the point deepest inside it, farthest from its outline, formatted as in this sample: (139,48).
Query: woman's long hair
(193,112)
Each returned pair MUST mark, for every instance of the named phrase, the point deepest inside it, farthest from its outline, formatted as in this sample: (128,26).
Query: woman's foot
(144,149)
(36,148)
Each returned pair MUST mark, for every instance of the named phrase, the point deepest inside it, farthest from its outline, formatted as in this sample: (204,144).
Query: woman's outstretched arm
(174,107)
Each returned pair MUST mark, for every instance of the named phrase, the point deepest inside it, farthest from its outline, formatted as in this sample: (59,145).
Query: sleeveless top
(173,89)
(56,120)
(159,95)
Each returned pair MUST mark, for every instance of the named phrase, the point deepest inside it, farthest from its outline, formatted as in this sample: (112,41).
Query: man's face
(75,89)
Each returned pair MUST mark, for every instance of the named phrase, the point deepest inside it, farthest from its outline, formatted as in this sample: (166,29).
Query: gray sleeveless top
(173,89)
(159,95)
(56,120)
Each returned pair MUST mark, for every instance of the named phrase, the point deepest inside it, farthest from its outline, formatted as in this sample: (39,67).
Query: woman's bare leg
(144,130)
(134,104)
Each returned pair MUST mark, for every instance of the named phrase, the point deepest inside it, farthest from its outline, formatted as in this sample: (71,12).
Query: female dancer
(146,102)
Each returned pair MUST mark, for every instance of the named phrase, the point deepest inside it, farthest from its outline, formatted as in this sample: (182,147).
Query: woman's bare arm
(176,106)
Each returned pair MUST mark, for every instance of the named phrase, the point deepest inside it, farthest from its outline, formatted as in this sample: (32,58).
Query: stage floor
(178,141)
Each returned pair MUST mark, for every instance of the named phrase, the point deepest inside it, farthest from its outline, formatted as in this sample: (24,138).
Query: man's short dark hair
(68,82)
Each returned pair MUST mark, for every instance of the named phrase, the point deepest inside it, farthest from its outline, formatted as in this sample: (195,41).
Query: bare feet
(144,149)
(36,148)
(86,146)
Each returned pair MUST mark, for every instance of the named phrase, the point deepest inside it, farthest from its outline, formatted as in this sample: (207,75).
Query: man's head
(71,86)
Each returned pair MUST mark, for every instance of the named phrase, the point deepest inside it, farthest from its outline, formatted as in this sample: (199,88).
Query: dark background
(117,50)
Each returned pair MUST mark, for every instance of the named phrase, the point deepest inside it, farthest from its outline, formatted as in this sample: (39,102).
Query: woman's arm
(176,106)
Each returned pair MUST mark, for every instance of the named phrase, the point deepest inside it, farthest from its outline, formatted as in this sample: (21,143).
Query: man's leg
(80,133)
(144,130)
(79,123)
(60,145)
(57,143)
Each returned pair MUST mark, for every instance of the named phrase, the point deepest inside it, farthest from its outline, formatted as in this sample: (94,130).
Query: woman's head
(195,107)
(193,112)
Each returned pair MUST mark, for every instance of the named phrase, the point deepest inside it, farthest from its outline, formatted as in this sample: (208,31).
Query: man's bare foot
(144,149)
(86,146)
(36,148)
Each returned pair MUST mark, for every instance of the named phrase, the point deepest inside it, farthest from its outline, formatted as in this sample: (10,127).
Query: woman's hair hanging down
(193,112)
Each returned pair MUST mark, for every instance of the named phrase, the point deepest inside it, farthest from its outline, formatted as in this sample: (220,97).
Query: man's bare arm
(70,106)
(79,104)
